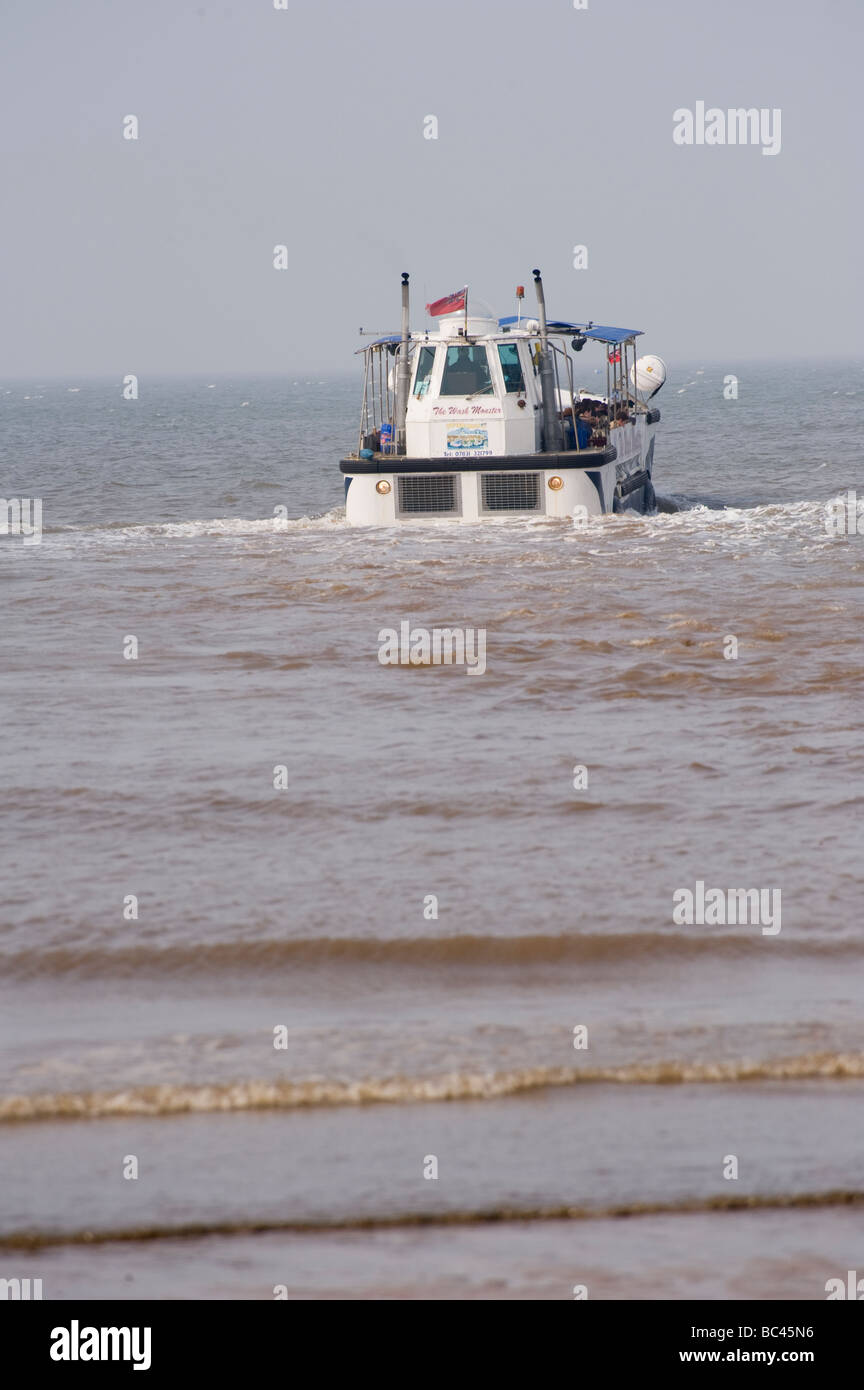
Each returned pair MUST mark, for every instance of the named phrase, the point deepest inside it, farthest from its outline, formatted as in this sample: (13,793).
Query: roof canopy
(379,342)
(597,331)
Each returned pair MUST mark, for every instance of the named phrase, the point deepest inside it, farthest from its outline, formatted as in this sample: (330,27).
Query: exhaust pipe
(553,436)
(403,373)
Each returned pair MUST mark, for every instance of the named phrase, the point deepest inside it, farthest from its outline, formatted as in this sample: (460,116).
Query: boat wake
(672,509)
(216,526)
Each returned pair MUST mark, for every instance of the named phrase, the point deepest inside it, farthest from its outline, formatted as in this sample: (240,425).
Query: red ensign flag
(450,304)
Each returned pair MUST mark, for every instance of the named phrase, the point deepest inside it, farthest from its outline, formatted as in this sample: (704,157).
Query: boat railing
(618,368)
(562,357)
(364,408)
(377,411)
(379,396)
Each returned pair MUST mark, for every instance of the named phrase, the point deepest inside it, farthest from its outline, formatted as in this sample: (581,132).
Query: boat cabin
(475,389)
(479,415)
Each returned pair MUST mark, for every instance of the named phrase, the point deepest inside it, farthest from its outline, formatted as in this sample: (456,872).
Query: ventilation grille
(510,492)
(431,493)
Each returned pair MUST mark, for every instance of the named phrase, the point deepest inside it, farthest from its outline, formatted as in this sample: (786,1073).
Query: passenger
(599,412)
(461,377)
(566,418)
(584,426)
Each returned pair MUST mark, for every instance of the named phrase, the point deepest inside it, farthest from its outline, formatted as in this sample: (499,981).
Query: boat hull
(384,490)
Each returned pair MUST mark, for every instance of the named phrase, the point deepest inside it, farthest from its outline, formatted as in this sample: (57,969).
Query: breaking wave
(238,1096)
(722,1202)
(422,952)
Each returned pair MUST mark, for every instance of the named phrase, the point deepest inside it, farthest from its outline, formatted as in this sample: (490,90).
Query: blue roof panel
(391,338)
(610,335)
(596,331)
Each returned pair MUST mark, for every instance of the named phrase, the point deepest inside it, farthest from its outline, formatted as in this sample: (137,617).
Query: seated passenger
(599,412)
(462,374)
(466,371)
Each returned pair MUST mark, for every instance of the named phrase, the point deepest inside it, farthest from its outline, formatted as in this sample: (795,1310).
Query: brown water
(306,909)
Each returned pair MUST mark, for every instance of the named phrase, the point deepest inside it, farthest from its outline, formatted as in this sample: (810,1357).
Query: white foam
(241,526)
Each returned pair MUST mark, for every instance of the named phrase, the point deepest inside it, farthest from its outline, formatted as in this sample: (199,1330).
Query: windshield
(466,371)
(508,354)
(424,370)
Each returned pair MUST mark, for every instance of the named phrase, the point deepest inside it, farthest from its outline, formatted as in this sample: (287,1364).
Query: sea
(322,978)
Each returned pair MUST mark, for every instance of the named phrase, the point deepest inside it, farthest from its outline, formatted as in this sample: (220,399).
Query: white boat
(483,417)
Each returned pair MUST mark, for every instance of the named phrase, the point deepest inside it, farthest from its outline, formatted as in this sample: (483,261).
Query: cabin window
(425,363)
(466,371)
(508,354)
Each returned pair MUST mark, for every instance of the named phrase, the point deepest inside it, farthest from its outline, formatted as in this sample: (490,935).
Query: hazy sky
(305,127)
